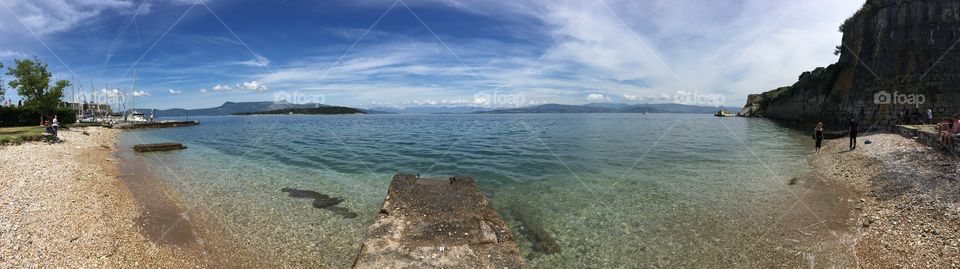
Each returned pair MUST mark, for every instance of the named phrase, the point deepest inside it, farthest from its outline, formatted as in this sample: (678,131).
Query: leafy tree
(32,82)
(2,90)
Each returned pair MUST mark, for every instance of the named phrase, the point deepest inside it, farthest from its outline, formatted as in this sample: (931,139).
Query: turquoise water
(611,190)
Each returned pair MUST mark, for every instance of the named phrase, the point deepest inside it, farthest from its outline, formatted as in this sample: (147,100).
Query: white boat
(137,117)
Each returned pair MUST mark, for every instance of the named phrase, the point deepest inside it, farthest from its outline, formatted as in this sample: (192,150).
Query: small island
(326,110)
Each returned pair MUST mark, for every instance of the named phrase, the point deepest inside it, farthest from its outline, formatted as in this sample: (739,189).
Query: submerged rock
(322,201)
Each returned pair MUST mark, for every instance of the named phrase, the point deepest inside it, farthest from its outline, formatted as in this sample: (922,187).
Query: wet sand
(64,205)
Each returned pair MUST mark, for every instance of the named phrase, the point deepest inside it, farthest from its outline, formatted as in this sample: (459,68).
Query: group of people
(8,103)
(52,126)
(853,129)
(916,116)
(949,130)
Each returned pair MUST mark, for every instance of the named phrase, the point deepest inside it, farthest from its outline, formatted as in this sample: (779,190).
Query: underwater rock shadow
(322,201)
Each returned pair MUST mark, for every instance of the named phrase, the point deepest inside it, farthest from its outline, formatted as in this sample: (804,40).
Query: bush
(18,116)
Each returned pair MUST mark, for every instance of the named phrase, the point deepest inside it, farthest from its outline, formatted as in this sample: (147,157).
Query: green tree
(32,82)
(2,90)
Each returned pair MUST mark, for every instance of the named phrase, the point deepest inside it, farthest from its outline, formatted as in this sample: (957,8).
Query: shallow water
(608,190)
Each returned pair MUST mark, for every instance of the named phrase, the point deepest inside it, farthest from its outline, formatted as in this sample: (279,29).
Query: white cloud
(203,90)
(174,92)
(52,16)
(596,97)
(222,88)
(110,92)
(258,61)
(12,54)
(253,86)
(643,48)
(140,93)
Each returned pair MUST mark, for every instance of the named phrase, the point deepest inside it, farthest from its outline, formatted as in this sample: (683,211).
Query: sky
(402,53)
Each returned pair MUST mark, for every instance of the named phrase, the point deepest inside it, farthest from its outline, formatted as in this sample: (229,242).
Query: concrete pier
(437,223)
(156,124)
(158,147)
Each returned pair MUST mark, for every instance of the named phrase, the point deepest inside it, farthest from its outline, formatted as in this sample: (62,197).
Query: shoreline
(890,203)
(907,207)
(64,205)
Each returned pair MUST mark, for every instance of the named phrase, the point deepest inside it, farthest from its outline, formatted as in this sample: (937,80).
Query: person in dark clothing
(818,135)
(854,129)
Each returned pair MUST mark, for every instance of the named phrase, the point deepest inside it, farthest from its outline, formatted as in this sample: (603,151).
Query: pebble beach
(63,205)
(907,205)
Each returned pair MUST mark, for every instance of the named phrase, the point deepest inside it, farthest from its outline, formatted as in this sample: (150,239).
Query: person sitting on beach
(818,135)
(951,132)
(47,128)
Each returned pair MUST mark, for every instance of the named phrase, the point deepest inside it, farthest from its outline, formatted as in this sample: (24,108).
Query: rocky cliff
(895,54)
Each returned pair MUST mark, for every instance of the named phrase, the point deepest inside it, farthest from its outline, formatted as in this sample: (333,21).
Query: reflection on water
(599,190)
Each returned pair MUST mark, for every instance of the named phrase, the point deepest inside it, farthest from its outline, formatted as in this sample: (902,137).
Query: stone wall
(926,137)
(900,47)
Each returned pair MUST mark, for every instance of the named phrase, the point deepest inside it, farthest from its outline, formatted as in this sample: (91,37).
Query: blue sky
(369,53)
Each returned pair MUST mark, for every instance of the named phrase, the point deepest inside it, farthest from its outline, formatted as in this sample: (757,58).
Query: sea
(578,190)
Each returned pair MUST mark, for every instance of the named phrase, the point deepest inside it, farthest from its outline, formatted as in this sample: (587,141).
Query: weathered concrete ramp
(158,147)
(437,223)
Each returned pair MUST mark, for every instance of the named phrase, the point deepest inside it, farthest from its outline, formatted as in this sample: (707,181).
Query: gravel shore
(908,210)
(63,205)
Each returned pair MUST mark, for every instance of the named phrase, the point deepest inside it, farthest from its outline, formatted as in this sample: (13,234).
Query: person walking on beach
(818,135)
(854,130)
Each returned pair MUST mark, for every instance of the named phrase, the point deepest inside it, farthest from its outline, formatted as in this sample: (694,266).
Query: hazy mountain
(323,110)
(613,108)
(432,109)
(231,108)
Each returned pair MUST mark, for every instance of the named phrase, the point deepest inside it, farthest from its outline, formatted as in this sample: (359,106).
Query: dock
(156,124)
(437,223)
(158,147)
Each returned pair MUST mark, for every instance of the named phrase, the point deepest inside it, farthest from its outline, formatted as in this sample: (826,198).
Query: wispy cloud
(258,61)
(174,92)
(222,88)
(12,54)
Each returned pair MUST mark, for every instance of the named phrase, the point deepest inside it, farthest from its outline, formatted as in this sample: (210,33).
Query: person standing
(929,115)
(56,125)
(818,135)
(854,130)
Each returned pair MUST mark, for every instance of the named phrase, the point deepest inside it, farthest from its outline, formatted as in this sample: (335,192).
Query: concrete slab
(438,223)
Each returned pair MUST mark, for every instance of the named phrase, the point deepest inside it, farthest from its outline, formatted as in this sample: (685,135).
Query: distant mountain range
(323,110)
(432,109)
(612,108)
(231,108)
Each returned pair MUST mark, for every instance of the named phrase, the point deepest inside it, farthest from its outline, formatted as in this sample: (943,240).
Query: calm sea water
(611,190)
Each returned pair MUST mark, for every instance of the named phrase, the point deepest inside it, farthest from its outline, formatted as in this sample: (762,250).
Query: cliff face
(895,54)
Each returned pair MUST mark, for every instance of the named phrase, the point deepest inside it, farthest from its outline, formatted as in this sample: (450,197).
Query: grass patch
(17,135)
